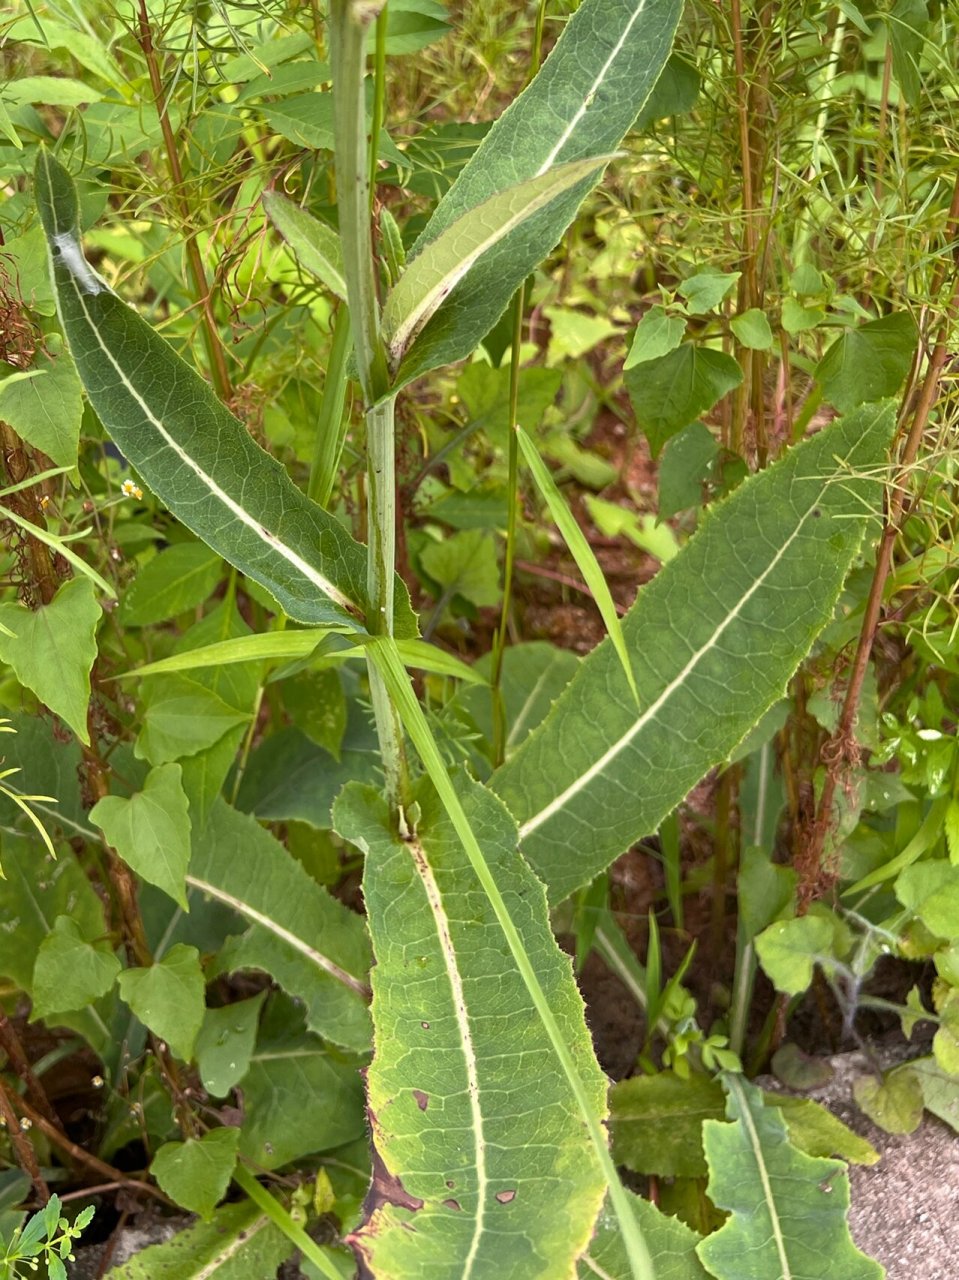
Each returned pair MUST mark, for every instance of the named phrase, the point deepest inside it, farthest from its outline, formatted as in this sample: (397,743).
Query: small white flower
(131,489)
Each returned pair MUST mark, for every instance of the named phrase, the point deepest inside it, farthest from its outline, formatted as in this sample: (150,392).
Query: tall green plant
(486,1101)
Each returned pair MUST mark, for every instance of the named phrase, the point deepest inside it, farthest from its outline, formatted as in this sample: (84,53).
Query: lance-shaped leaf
(316,245)
(192,452)
(485,1166)
(581,104)
(311,944)
(787,1210)
(239,1242)
(435,273)
(713,640)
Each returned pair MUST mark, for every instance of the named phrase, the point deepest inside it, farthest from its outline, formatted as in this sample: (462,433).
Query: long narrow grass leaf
(580,550)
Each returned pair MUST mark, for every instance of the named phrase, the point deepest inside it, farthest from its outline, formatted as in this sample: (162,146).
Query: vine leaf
(584,786)
(787,1210)
(192,452)
(483,1164)
(52,649)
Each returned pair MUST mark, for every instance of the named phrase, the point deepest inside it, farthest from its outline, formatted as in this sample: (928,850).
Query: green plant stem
(381,499)
(281,1218)
(348,28)
(512,502)
(212,341)
(385,656)
(379,99)
(331,426)
(349,23)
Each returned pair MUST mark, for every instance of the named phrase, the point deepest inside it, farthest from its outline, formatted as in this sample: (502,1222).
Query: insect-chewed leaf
(192,452)
(581,104)
(713,639)
(485,1167)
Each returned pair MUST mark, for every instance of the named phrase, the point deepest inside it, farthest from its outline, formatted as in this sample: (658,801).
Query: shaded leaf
(656,1123)
(70,972)
(43,405)
(239,1243)
(172,582)
(225,1044)
(197,1173)
(673,390)
(316,245)
(299,1097)
(672,1247)
(52,650)
(167,997)
(313,946)
(869,362)
(151,830)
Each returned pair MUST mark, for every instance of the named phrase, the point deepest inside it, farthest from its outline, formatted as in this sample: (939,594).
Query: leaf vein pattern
(435,899)
(585,778)
(257,917)
(235,508)
(594,89)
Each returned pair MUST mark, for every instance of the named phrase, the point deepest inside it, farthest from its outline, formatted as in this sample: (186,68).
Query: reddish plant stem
(841,748)
(100,1167)
(26,1156)
(211,332)
(10,1043)
(41,575)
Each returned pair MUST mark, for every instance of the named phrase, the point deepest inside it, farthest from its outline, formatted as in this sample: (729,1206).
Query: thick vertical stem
(349,24)
(381,505)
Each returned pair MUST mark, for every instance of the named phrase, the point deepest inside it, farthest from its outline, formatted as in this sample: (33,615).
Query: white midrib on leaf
(593,90)
(435,899)
(596,1269)
(235,1245)
(70,261)
(257,917)
(748,1124)
(585,779)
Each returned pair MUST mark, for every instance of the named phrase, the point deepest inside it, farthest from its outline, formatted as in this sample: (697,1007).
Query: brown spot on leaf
(422,1099)
(453,1204)
(504,1197)
(425,1026)
(386,1188)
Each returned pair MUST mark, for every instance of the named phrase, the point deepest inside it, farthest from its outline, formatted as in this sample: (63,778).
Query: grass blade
(581,552)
